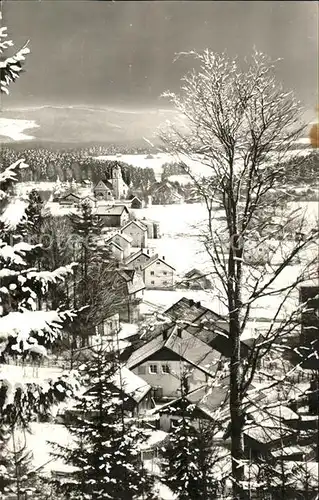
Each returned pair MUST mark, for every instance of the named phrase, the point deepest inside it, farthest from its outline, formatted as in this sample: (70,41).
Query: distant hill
(79,125)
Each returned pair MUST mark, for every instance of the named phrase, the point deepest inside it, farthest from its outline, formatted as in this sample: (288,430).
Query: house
(113,189)
(153,228)
(137,393)
(109,325)
(86,183)
(130,287)
(138,259)
(137,232)
(69,199)
(103,190)
(113,216)
(196,280)
(164,193)
(206,400)
(158,274)
(205,324)
(117,251)
(90,200)
(123,241)
(136,203)
(165,359)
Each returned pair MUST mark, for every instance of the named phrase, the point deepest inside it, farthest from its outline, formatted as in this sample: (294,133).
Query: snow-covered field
(14,128)
(157,161)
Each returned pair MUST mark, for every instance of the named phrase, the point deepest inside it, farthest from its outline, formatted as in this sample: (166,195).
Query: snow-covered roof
(114,210)
(154,439)
(155,259)
(116,245)
(184,344)
(137,254)
(130,383)
(125,237)
(137,223)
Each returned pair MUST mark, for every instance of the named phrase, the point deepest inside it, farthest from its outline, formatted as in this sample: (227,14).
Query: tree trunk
(235,400)
(236,414)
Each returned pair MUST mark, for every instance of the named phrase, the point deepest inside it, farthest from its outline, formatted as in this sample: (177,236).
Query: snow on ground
(14,128)
(24,188)
(28,374)
(176,219)
(182,179)
(58,210)
(157,161)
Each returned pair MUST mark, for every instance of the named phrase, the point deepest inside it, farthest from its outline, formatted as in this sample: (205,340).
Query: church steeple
(118,183)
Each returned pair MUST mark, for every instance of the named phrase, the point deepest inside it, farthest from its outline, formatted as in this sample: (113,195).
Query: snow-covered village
(159,272)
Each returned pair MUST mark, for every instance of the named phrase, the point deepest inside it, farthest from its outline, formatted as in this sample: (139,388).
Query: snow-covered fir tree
(188,458)
(25,331)
(105,447)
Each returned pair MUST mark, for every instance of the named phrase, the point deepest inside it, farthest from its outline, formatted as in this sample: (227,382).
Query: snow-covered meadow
(14,128)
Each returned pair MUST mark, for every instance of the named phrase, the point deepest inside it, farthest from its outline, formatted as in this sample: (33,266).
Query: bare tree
(238,128)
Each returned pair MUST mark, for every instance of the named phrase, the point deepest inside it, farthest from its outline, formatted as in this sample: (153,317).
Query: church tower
(119,186)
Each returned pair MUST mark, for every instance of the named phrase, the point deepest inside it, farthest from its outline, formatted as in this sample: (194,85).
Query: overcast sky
(121,53)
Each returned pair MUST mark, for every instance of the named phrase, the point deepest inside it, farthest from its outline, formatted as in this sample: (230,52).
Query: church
(113,189)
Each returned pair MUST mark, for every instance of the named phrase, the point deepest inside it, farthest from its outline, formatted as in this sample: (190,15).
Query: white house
(158,274)
(117,251)
(123,241)
(166,359)
(137,231)
(138,259)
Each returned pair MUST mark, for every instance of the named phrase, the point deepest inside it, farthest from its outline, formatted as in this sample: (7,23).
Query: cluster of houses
(115,189)
(184,360)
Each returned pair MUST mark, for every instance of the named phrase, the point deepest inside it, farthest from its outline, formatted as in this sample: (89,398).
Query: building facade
(158,274)
(137,232)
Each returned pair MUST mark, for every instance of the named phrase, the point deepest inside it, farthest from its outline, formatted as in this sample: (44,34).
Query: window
(165,273)
(152,282)
(158,263)
(165,369)
(164,282)
(152,273)
(153,369)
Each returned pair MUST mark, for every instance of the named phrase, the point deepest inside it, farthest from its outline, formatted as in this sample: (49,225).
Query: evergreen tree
(188,458)
(25,331)
(104,451)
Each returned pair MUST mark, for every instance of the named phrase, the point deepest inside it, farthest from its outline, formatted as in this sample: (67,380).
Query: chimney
(197,304)
(179,332)
(163,257)
(165,335)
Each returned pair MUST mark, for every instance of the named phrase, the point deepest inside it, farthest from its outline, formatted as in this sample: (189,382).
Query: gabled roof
(196,272)
(136,198)
(211,398)
(154,259)
(69,195)
(103,185)
(189,310)
(137,223)
(114,210)
(113,244)
(188,347)
(135,255)
(125,237)
(132,385)
(134,281)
